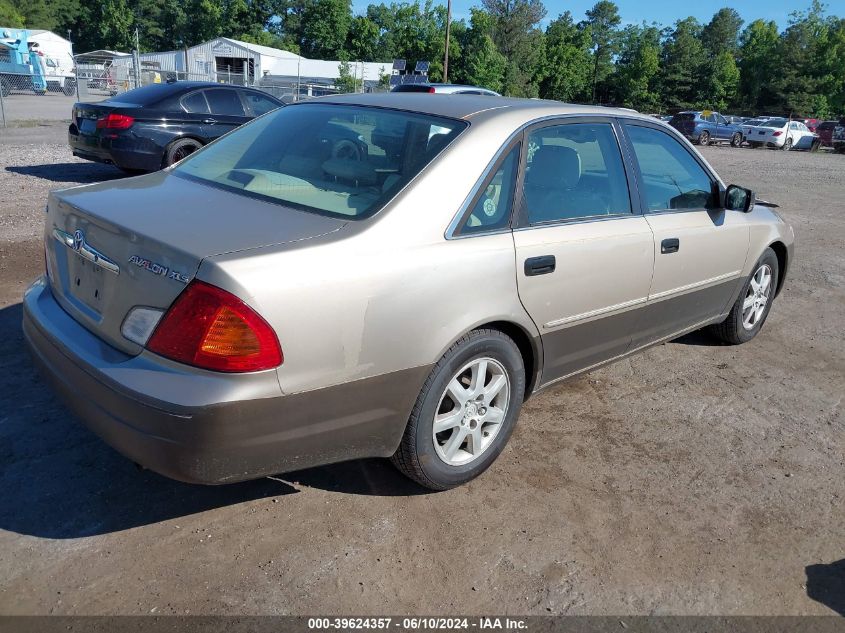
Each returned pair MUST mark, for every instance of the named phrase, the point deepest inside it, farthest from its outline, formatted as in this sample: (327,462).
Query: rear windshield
(775,123)
(827,125)
(684,116)
(343,161)
(147,95)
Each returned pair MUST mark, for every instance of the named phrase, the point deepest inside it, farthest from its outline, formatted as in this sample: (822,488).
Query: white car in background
(747,126)
(782,134)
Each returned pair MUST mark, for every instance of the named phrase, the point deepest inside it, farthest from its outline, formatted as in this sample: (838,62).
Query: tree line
(505,45)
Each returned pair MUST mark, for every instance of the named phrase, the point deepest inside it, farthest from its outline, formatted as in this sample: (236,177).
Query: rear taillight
(210,328)
(115,122)
(431,90)
(778,133)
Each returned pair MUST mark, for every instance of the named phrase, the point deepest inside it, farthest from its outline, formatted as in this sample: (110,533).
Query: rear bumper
(203,427)
(121,152)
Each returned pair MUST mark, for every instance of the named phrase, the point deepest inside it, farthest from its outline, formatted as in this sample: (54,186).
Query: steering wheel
(346,150)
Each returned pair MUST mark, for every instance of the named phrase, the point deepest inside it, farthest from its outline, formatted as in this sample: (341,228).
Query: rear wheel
(753,304)
(465,412)
(179,149)
(736,140)
(704,138)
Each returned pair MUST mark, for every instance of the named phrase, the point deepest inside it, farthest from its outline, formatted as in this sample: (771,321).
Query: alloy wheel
(471,411)
(757,297)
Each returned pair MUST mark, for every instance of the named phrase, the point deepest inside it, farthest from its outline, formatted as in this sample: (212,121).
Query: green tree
(758,52)
(346,81)
(481,63)
(635,80)
(324,27)
(516,33)
(9,15)
(603,22)
(363,39)
(723,81)
(795,80)
(683,62)
(115,24)
(567,65)
(722,32)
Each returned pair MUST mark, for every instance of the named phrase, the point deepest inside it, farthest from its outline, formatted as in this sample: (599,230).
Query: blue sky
(635,11)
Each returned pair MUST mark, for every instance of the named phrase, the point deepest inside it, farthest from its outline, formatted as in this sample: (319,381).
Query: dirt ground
(691,479)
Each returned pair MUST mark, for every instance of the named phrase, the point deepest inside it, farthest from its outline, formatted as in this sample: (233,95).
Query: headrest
(554,166)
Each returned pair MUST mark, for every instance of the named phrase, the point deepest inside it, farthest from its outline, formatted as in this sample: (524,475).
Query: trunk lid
(137,242)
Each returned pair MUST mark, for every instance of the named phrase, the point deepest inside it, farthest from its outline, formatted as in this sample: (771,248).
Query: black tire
(704,138)
(416,456)
(787,144)
(179,149)
(732,330)
(736,140)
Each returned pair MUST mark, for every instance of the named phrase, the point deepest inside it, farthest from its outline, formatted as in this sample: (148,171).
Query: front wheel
(465,412)
(736,140)
(753,304)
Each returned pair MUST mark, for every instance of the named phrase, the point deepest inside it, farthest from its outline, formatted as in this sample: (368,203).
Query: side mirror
(739,199)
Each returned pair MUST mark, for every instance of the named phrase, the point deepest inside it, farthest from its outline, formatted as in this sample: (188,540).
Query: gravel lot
(691,479)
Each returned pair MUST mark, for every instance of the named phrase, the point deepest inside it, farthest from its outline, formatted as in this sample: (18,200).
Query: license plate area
(88,126)
(86,282)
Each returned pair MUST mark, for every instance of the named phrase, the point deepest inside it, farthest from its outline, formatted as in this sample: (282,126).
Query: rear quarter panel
(384,294)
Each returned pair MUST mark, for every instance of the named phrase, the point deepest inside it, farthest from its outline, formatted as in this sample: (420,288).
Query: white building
(225,59)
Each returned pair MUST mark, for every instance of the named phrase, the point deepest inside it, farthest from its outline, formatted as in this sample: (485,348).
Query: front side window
(224,101)
(671,177)
(344,161)
(574,171)
(492,210)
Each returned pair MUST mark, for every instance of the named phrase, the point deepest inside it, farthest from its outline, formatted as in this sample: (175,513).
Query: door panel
(584,257)
(695,282)
(699,253)
(587,308)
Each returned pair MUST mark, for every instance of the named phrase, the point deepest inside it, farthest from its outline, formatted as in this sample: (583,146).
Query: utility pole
(446,54)
(136,59)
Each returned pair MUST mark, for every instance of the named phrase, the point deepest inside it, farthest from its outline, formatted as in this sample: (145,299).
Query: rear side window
(195,103)
(259,104)
(574,171)
(224,101)
(672,178)
(492,210)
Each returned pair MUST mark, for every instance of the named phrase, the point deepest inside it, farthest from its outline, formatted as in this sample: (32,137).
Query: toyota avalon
(273,302)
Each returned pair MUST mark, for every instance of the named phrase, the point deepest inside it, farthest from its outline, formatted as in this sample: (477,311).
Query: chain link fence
(97,77)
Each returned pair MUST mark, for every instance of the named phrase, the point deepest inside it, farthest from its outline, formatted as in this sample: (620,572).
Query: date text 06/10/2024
(417,623)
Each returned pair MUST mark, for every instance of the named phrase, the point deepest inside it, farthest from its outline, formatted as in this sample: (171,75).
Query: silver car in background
(276,301)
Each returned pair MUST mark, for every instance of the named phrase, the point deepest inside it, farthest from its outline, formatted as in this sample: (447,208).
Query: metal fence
(95,78)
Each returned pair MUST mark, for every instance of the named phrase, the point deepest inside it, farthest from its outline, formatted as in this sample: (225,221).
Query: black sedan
(155,126)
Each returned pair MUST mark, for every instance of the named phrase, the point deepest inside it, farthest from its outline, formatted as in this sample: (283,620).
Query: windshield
(775,123)
(339,160)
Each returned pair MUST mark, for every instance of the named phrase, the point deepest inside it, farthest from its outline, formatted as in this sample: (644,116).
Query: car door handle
(542,265)
(210,121)
(670,245)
